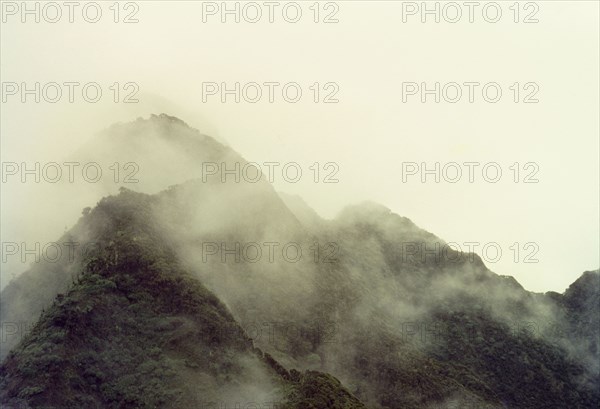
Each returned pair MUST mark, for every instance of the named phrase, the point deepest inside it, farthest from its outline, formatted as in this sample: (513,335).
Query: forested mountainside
(135,330)
(169,305)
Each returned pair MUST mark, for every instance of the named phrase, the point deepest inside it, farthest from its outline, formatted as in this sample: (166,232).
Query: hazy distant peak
(510,281)
(366,207)
(153,153)
(167,126)
(188,141)
(303,212)
(371,212)
(168,118)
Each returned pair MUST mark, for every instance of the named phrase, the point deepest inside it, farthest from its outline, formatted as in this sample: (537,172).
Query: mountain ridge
(398,326)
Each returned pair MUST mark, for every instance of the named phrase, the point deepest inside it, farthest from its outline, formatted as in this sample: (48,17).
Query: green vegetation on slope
(133,319)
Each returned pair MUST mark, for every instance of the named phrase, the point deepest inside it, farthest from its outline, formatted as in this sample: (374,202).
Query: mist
(290,215)
(369,133)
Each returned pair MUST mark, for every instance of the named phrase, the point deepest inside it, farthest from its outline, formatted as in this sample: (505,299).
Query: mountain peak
(168,125)
(167,118)
(171,302)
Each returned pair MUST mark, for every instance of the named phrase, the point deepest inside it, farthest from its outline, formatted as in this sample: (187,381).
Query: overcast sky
(364,61)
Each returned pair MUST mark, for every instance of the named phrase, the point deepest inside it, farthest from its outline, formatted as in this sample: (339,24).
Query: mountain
(213,291)
(166,152)
(146,155)
(135,330)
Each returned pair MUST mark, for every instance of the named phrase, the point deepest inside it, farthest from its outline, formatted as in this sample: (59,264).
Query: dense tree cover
(134,324)
(118,337)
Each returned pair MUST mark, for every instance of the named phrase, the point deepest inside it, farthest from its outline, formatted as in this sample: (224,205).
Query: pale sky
(367,56)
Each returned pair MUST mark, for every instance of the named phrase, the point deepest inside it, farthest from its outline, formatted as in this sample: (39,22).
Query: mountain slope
(167,152)
(136,331)
(373,300)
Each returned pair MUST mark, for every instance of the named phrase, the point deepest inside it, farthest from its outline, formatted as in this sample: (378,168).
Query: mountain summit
(211,294)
